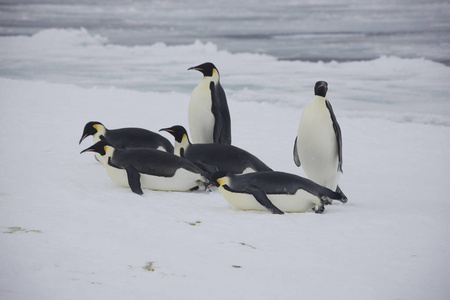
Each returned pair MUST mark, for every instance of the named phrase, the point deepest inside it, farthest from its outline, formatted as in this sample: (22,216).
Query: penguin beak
(166,129)
(82,138)
(208,187)
(87,150)
(195,68)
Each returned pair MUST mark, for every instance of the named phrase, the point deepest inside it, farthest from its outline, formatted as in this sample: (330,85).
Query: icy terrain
(68,232)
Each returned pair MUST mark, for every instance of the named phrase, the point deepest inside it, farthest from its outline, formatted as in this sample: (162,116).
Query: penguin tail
(206,174)
(339,191)
(209,169)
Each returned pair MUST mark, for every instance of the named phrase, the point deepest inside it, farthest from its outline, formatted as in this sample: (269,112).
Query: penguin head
(321,88)
(219,178)
(207,69)
(101,147)
(92,128)
(178,132)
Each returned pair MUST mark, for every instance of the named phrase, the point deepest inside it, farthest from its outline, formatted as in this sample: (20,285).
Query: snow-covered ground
(68,232)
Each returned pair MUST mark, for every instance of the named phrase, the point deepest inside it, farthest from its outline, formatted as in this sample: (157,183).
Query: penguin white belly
(248,170)
(200,117)
(301,201)
(182,180)
(317,146)
(117,175)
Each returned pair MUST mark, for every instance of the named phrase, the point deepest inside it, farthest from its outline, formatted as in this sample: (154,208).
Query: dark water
(342,30)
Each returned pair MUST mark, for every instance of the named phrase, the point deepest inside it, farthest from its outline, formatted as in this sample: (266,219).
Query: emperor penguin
(208,115)
(318,145)
(224,157)
(139,168)
(125,138)
(277,192)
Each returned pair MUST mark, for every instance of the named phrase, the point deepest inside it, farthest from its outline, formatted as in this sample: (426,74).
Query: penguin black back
(124,138)
(278,183)
(223,157)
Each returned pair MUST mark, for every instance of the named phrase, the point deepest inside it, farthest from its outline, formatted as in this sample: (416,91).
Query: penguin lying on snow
(222,157)
(208,115)
(318,145)
(274,191)
(148,168)
(125,138)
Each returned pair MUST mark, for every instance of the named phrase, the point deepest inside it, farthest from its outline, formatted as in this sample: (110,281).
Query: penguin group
(142,159)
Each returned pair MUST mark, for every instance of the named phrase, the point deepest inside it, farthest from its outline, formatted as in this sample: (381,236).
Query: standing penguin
(208,115)
(224,157)
(318,145)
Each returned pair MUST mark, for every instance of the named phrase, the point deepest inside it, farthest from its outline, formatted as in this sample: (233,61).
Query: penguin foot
(326,200)
(319,209)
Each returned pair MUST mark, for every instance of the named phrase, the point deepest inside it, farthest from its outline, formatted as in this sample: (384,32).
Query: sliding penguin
(228,158)
(318,145)
(139,168)
(125,138)
(208,115)
(277,192)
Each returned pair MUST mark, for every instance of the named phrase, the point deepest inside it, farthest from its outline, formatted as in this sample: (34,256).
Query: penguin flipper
(337,130)
(134,180)
(215,109)
(225,133)
(296,158)
(262,199)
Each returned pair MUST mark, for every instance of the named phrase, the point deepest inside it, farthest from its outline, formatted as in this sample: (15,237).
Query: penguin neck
(104,159)
(181,147)
(207,79)
(319,99)
(101,131)
(224,180)
(109,153)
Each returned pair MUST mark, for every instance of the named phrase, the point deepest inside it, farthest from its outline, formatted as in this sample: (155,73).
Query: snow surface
(68,232)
